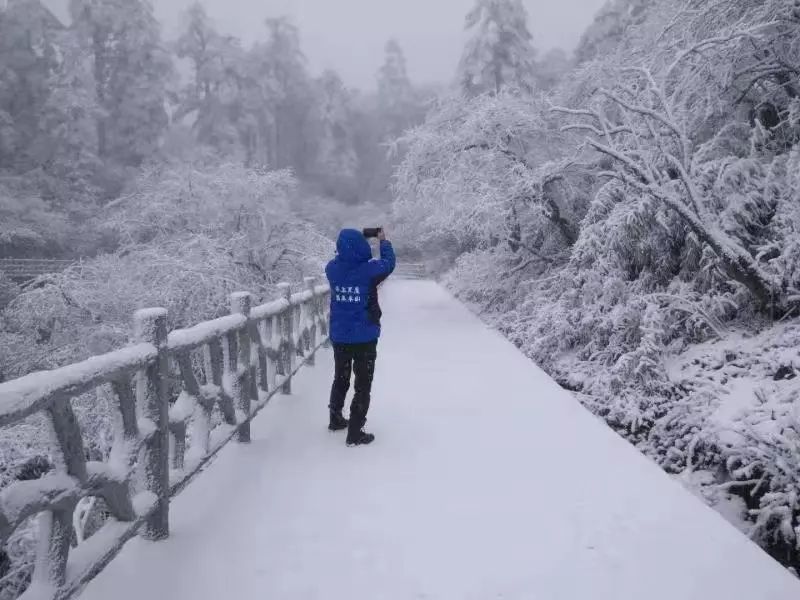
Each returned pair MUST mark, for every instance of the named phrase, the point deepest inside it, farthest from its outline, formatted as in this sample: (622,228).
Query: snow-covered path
(486,481)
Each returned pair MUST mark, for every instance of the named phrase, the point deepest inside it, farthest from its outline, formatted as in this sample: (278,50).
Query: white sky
(349,35)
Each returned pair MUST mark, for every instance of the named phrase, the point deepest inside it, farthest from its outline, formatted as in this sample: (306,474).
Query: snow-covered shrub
(23,456)
(8,290)
(771,450)
(475,280)
(246,211)
(189,239)
(762,439)
(477,175)
(18,550)
(29,226)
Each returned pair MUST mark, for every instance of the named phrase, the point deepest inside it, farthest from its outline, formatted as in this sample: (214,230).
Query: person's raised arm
(383,266)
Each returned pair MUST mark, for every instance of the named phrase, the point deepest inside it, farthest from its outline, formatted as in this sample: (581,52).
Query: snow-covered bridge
(486,481)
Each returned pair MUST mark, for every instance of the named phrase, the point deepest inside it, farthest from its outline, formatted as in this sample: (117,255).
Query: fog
(349,35)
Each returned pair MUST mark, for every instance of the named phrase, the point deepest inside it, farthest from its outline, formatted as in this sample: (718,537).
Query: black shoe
(359,438)
(338,422)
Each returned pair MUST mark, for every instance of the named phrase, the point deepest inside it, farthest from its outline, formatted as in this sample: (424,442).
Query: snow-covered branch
(653,114)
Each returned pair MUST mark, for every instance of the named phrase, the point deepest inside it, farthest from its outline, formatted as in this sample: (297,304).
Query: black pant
(361,359)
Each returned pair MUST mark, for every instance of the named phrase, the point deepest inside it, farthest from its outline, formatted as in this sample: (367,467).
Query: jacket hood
(353,247)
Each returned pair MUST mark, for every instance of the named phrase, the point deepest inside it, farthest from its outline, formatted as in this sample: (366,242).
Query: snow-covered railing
(235,363)
(24,269)
(410,271)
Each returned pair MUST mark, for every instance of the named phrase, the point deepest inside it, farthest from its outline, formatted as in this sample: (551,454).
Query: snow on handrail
(270,309)
(20,398)
(234,364)
(301,297)
(193,337)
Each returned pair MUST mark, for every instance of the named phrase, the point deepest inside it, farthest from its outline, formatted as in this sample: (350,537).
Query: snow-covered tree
(336,152)
(397,101)
(278,99)
(479,173)
(500,53)
(188,237)
(665,172)
(211,96)
(28,59)
(130,69)
(607,32)
(66,141)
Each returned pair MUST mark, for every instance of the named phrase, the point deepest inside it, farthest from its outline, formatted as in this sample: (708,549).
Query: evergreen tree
(66,140)
(381,120)
(610,28)
(396,101)
(336,154)
(211,94)
(500,53)
(130,72)
(28,58)
(47,135)
(279,99)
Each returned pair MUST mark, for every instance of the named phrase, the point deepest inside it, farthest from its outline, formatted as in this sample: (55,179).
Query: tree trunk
(99,78)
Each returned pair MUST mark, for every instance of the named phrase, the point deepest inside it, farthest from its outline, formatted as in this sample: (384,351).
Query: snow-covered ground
(742,373)
(487,480)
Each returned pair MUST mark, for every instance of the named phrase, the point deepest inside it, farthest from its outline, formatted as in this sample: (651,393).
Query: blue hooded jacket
(354,279)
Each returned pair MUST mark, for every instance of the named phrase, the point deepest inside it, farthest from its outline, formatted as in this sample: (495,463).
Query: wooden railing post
(214,360)
(312,314)
(324,321)
(287,341)
(261,329)
(272,329)
(151,395)
(56,525)
(241,366)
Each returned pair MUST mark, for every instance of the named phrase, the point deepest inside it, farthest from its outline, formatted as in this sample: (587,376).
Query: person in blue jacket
(355,326)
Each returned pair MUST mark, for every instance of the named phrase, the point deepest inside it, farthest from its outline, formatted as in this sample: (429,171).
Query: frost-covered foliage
(642,210)
(130,65)
(211,95)
(189,237)
(499,53)
(476,175)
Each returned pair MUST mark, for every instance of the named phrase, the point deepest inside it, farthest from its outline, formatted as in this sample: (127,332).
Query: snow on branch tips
(653,156)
